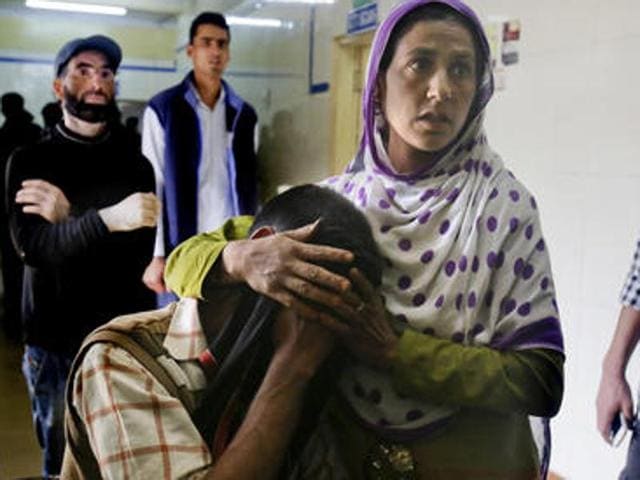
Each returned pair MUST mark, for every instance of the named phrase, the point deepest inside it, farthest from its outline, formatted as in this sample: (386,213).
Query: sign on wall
(504,37)
(362,18)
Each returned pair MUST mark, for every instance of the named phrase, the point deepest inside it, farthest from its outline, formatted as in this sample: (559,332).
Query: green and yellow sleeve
(527,381)
(191,261)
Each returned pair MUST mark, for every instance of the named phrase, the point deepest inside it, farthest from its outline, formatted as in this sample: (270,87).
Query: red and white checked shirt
(136,429)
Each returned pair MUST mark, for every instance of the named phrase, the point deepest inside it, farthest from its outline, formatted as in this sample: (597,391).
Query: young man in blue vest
(200,137)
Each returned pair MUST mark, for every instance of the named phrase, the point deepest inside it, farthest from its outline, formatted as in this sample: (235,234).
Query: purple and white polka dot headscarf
(466,260)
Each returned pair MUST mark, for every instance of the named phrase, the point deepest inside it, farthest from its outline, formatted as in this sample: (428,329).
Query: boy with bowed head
(255,376)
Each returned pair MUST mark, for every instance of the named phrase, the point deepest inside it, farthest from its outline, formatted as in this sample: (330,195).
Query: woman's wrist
(231,267)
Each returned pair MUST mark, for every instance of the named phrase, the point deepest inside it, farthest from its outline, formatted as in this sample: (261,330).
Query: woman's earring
(377,106)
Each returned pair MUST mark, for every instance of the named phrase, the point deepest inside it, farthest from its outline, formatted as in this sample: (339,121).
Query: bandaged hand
(153,276)
(42,198)
(136,211)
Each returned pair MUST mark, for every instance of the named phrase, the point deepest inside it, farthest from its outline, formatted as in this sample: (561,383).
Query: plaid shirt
(630,295)
(136,429)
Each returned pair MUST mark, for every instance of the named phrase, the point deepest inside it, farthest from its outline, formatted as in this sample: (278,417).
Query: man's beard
(89,112)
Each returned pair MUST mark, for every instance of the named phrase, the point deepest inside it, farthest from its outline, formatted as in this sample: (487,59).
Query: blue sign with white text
(362,19)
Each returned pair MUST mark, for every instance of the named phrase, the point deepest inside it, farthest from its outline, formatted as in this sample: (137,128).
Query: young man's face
(86,86)
(209,50)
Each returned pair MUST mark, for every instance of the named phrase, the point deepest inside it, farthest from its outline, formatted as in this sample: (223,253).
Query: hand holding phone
(616,432)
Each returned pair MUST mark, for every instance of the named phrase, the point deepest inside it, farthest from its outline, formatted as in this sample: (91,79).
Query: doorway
(350,55)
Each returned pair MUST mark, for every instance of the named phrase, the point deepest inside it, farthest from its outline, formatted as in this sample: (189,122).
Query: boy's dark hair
(208,18)
(341,225)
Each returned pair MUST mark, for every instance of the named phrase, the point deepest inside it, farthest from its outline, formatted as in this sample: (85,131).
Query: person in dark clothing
(18,130)
(51,115)
(80,218)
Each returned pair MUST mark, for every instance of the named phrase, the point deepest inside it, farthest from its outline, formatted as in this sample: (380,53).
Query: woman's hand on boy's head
(282,266)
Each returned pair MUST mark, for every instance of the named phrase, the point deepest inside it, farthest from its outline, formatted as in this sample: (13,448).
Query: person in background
(81,211)
(131,126)
(463,354)
(17,130)
(51,115)
(201,138)
(614,402)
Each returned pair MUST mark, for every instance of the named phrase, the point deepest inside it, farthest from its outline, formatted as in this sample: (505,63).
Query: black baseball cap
(100,43)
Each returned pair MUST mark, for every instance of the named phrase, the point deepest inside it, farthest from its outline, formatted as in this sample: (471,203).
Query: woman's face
(427,91)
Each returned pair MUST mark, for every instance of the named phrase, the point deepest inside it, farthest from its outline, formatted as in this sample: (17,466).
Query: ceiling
(165,12)
(163,7)
(155,11)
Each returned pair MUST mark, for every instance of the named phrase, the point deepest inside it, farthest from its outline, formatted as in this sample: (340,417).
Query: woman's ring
(360,307)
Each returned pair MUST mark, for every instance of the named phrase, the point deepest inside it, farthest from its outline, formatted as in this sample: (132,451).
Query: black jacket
(78,275)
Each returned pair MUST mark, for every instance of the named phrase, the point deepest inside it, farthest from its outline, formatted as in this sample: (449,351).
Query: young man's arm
(614,394)
(153,145)
(258,447)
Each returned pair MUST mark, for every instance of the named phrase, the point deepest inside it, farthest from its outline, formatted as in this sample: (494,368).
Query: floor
(19,451)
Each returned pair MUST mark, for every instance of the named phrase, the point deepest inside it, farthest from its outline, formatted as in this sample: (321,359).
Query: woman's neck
(406,159)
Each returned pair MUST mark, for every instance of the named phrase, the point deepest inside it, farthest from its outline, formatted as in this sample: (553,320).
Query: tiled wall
(566,124)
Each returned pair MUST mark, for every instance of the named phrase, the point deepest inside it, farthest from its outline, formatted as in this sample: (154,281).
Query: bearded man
(81,211)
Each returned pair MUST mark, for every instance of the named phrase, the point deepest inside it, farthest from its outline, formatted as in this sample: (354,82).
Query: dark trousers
(631,469)
(12,268)
(46,374)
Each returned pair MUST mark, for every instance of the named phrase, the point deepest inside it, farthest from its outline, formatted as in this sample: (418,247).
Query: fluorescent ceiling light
(326,2)
(77,7)
(258,22)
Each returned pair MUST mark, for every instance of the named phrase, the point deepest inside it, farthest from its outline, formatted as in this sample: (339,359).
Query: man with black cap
(200,137)
(81,209)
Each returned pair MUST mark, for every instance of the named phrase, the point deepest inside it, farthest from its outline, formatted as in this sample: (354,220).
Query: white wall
(567,126)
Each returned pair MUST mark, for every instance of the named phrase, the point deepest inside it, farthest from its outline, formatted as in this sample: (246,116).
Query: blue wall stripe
(42,61)
(238,73)
(25,60)
(146,68)
(149,68)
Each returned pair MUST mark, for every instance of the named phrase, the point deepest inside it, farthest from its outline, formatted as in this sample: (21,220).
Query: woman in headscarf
(466,344)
